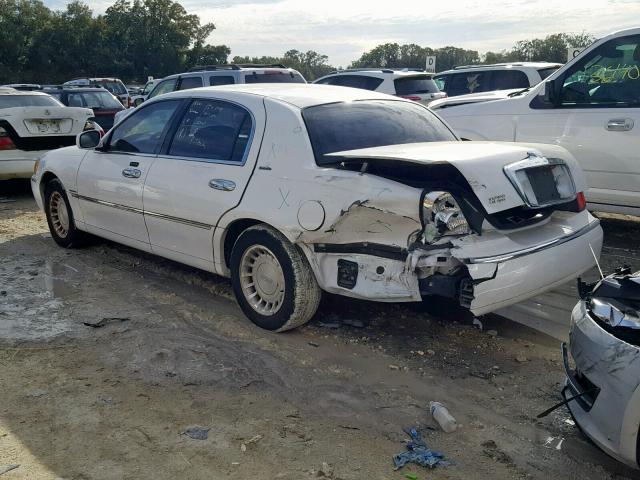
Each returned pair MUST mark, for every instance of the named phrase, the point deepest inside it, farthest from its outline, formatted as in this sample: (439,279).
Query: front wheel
(60,216)
(272,280)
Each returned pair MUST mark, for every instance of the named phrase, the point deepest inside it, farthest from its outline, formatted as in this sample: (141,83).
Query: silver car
(602,364)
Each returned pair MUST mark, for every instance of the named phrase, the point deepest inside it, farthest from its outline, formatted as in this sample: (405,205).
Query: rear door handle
(222,184)
(620,124)
(131,173)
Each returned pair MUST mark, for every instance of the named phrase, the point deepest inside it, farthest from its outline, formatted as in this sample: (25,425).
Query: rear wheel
(272,280)
(60,216)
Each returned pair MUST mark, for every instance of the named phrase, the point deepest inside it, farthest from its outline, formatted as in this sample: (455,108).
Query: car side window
(142,131)
(165,86)
(506,79)
(607,76)
(221,80)
(190,82)
(357,81)
(468,82)
(441,82)
(213,130)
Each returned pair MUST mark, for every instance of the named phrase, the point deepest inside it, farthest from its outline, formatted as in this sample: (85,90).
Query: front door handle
(131,173)
(222,184)
(620,124)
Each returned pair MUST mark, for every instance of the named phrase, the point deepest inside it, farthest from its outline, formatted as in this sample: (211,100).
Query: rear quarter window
(417,84)
(275,76)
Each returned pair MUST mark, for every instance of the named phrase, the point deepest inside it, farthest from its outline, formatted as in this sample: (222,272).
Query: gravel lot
(78,402)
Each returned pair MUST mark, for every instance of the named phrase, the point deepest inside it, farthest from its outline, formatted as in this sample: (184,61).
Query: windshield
(94,100)
(342,126)
(11,101)
(275,76)
(417,84)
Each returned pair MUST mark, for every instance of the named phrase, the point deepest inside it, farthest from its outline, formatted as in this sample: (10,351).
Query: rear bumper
(611,417)
(18,163)
(508,278)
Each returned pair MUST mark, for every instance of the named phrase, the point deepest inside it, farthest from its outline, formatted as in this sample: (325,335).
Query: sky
(344,29)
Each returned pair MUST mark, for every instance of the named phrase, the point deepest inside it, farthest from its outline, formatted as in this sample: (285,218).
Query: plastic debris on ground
(197,433)
(103,321)
(419,453)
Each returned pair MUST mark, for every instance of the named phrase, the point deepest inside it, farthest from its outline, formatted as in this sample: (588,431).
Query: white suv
(591,106)
(412,84)
(488,78)
(215,75)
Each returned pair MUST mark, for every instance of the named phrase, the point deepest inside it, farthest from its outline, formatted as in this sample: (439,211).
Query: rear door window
(212,130)
(190,82)
(356,81)
(415,84)
(143,130)
(469,82)
(216,80)
(506,79)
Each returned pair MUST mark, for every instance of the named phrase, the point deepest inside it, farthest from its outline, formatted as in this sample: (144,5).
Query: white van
(591,106)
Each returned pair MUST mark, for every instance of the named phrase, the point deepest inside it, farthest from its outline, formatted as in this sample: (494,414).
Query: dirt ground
(78,402)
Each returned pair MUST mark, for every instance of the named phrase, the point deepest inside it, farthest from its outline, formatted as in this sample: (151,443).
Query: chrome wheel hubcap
(262,280)
(59,214)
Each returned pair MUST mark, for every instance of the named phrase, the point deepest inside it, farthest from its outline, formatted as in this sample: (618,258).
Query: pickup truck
(591,106)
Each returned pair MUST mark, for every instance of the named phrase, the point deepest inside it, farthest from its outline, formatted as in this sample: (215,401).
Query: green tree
(552,48)
(393,55)
(20,22)
(310,64)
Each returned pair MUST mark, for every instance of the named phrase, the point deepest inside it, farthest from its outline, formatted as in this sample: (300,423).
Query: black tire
(301,291)
(55,198)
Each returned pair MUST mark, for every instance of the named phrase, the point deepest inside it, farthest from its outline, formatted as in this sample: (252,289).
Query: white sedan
(31,123)
(292,190)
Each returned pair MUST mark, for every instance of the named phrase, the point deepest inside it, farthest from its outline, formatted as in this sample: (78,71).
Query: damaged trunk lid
(483,166)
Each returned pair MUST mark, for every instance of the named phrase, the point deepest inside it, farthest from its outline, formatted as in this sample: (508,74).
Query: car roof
(227,71)
(300,95)
(70,88)
(381,72)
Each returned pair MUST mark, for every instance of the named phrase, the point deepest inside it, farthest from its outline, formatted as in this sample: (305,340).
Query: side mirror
(552,91)
(88,139)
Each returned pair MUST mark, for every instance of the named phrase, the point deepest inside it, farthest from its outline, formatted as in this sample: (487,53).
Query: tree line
(140,38)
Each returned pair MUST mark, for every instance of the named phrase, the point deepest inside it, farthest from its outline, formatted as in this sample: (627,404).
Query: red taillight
(415,98)
(130,102)
(581,201)
(5,141)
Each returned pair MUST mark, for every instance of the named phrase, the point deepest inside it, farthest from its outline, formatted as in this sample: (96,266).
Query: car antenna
(596,259)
